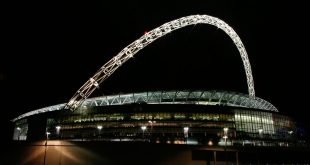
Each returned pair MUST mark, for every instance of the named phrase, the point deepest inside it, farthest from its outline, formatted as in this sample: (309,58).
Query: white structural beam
(230,99)
(129,51)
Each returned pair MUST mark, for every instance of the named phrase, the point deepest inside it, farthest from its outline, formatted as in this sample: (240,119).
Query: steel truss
(224,98)
(129,51)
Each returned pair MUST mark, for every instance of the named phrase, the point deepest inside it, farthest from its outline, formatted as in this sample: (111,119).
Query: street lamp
(225,138)
(186,133)
(151,123)
(58,130)
(99,127)
(225,130)
(18,131)
(47,133)
(143,129)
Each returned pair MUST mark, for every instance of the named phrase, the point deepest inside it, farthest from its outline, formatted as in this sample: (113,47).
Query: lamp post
(143,129)
(289,137)
(99,127)
(151,123)
(58,130)
(18,133)
(47,133)
(186,133)
(225,138)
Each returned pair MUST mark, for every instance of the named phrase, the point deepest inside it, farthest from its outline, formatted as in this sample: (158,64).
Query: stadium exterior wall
(216,118)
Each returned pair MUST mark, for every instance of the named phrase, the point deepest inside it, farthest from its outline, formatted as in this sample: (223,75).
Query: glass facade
(20,130)
(204,123)
(254,122)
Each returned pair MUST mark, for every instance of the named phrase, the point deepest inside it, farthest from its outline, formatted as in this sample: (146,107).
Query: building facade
(176,117)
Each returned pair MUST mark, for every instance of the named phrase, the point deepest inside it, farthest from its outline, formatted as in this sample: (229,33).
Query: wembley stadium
(219,120)
(178,117)
(181,117)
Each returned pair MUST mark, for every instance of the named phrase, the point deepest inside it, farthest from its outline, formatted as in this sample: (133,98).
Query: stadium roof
(199,97)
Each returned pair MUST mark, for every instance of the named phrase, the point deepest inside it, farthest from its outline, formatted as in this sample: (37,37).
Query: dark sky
(52,48)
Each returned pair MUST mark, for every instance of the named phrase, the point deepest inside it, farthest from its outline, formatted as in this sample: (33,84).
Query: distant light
(225,129)
(47,133)
(225,136)
(186,129)
(143,128)
(99,127)
(290,132)
(210,143)
(18,128)
(260,131)
(145,32)
(58,129)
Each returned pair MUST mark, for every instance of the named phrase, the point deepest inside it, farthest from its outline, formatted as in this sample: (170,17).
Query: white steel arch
(129,51)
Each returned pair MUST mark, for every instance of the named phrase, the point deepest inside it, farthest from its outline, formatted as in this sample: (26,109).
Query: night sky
(53,48)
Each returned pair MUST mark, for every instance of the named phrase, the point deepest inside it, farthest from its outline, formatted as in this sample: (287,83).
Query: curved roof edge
(169,97)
